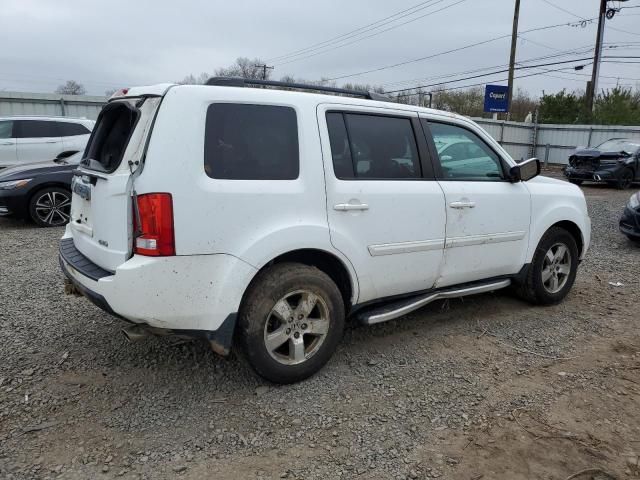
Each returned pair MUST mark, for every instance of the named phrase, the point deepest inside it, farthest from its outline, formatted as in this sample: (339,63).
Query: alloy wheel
(53,208)
(556,268)
(296,327)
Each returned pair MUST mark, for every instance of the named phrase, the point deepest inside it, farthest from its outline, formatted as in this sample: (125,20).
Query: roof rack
(243,82)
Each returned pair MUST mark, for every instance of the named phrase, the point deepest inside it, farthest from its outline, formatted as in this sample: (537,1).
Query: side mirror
(446,158)
(525,171)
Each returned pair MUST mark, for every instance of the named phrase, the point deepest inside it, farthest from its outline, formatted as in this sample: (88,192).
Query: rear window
(68,129)
(111,135)
(251,142)
(36,129)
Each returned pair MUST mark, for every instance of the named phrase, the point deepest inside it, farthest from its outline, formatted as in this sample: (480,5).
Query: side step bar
(402,307)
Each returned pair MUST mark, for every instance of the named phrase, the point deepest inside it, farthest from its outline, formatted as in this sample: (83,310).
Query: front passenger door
(488,217)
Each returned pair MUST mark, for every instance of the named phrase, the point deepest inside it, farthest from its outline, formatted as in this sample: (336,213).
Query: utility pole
(597,56)
(592,88)
(512,59)
(264,70)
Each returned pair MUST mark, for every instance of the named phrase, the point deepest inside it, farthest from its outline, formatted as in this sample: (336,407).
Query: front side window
(36,129)
(68,129)
(463,155)
(251,142)
(373,147)
(6,128)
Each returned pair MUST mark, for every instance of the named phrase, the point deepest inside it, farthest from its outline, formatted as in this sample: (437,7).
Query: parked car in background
(630,220)
(26,140)
(614,162)
(271,216)
(39,191)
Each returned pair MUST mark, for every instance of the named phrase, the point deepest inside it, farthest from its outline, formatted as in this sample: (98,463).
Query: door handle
(345,207)
(465,204)
(7,143)
(51,141)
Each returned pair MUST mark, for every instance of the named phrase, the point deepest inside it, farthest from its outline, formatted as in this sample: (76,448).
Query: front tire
(626,179)
(50,207)
(290,322)
(553,269)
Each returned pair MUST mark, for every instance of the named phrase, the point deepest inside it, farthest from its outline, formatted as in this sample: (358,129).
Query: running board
(402,307)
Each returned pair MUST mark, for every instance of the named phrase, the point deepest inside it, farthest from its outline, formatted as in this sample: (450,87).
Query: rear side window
(373,147)
(111,135)
(251,142)
(6,127)
(68,129)
(36,129)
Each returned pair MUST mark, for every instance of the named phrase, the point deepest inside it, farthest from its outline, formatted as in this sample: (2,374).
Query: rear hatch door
(101,212)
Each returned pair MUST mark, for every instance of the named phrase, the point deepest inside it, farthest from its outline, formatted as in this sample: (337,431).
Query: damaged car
(614,162)
(630,220)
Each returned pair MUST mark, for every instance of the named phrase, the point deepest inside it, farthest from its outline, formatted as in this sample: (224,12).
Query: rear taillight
(155,236)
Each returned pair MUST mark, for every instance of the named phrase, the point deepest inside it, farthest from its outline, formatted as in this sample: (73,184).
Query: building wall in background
(52,104)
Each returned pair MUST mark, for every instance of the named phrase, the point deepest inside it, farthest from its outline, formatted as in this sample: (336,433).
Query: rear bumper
(630,223)
(192,295)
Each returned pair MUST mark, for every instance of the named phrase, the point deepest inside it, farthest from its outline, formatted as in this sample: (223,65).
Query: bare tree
(244,67)
(191,79)
(71,87)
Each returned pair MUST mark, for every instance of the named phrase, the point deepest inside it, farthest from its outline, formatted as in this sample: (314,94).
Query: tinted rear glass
(68,129)
(36,129)
(251,142)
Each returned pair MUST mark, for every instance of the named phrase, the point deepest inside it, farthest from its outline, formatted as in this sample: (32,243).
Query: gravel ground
(485,387)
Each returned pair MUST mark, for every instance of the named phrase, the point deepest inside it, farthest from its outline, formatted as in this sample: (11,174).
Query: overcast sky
(108,44)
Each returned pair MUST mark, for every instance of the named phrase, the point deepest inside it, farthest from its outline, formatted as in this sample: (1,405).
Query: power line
(575,51)
(416,8)
(453,50)
(491,73)
(332,48)
(445,89)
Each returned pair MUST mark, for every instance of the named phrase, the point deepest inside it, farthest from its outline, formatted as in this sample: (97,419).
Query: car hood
(594,153)
(34,169)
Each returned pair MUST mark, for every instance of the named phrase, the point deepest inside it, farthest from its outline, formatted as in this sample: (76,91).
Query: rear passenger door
(385,210)
(74,136)
(487,215)
(37,140)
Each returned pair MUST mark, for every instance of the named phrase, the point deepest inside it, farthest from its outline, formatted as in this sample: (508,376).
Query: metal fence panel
(50,104)
(553,143)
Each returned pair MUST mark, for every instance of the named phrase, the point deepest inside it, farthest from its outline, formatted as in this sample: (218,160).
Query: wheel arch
(568,225)
(328,262)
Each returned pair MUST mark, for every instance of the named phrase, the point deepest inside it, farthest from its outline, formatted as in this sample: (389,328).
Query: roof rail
(243,82)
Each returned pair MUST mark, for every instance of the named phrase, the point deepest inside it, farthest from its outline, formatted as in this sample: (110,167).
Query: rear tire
(553,269)
(290,322)
(625,180)
(576,181)
(50,207)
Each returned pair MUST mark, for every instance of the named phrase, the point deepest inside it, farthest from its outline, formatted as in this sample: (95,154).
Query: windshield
(618,145)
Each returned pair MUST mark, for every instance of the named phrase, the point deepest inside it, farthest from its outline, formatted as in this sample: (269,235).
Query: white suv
(39,139)
(268,217)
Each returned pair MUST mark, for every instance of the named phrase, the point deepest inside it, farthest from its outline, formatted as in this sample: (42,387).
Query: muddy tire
(553,269)
(290,322)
